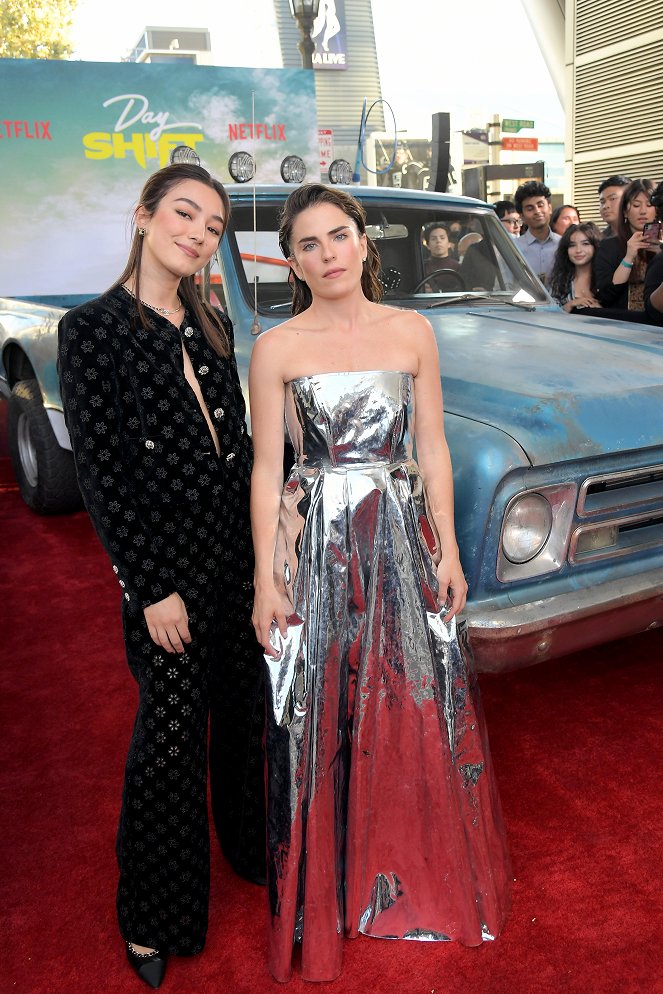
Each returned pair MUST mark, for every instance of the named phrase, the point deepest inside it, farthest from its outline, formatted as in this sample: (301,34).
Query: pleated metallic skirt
(382,810)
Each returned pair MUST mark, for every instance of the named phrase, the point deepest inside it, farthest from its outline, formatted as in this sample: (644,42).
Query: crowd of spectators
(609,270)
(613,268)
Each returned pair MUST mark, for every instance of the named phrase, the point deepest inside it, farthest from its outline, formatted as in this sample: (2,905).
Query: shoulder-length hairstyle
(563,269)
(634,188)
(155,189)
(309,195)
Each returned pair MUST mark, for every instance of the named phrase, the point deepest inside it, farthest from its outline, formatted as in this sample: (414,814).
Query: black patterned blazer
(145,458)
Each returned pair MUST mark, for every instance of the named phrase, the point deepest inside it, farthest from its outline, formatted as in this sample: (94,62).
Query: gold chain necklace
(160,310)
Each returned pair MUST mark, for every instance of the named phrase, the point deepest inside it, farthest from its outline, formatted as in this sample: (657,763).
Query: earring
(141,232)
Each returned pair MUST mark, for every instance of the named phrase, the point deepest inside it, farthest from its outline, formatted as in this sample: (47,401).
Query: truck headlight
(526,528)
(535,532)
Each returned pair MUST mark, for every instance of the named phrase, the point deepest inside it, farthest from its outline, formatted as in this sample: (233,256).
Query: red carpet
(577,750)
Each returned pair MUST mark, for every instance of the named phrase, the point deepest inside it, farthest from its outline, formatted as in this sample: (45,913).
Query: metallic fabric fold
(383,813)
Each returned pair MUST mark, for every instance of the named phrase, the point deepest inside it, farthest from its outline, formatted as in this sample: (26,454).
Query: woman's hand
(451,579)
(583,300)
(269,605)
(168,623)
(636,242)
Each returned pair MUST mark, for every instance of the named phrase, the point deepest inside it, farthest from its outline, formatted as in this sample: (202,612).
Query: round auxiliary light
(293,169)
(241,167)
(184,153)
(340,171)
(527,527)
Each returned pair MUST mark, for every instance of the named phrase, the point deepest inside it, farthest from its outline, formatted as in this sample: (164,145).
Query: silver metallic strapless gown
(383,815)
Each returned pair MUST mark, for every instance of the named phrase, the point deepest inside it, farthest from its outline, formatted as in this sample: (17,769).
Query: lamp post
(305,12)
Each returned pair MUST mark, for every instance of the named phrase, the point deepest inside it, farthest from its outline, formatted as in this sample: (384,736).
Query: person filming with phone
(653,292)
(623,260)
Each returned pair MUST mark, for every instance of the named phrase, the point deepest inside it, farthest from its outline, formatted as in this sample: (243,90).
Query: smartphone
(652,232)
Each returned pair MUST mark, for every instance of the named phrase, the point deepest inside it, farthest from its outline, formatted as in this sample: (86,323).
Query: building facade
(165,44)
(614,102)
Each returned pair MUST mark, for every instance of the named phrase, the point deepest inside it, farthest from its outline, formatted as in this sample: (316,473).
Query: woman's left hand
(168,623)
(451,579)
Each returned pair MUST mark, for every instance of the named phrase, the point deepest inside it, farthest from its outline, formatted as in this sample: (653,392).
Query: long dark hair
(155,189)
(309,195)
(563,269)
(624,229)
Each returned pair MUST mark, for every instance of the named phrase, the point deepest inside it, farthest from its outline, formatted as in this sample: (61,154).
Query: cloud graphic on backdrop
(84,245)
(214,110)
(285,120)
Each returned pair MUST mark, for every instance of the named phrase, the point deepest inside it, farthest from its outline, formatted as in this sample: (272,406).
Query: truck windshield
(426,256)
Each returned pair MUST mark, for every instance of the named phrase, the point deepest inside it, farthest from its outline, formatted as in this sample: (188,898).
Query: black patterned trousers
(163,835)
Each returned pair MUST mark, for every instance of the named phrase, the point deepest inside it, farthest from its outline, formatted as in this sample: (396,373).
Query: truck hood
(561,385)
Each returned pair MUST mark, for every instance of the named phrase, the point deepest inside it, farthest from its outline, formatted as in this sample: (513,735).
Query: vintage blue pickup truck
(555,422)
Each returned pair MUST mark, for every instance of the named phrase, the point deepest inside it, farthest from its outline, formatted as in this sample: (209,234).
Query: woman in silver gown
(383,814)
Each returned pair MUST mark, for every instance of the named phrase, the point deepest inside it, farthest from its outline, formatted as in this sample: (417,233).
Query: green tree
(35,29)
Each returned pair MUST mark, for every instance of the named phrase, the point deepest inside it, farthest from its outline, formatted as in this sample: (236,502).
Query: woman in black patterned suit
(156,418)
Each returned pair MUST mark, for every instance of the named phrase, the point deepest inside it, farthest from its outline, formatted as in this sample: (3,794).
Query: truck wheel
(44,471)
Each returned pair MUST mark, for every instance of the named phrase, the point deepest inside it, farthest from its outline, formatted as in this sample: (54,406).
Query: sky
(472,59)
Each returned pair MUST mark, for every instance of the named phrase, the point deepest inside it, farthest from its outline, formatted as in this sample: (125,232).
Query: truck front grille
(619,514)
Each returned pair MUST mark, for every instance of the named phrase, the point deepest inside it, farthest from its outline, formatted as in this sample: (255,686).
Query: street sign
(520,144)
(513,124)
(326,143)
(475,147)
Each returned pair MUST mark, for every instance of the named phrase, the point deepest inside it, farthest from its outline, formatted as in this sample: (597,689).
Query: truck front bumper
(514,637)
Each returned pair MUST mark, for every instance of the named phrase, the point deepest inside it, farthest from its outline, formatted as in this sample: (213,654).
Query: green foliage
(35,29)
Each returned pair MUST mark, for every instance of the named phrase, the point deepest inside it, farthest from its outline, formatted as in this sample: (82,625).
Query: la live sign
(328,34)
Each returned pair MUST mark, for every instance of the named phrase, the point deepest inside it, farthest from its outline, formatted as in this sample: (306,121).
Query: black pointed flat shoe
(150,967)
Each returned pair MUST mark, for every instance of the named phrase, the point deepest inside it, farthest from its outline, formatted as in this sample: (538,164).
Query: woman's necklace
(160,310)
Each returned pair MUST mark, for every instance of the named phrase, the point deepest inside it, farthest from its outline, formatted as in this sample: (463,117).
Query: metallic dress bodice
(351,419)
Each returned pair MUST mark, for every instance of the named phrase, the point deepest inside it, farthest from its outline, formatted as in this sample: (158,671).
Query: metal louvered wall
(615,71)
(606,22)
(619,100)
(340,92)
(588,175)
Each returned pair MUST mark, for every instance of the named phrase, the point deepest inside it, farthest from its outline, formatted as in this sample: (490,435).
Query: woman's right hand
(168,623)
(269,606)
(636,242)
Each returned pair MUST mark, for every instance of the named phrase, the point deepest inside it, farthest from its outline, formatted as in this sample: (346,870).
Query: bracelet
(627,265)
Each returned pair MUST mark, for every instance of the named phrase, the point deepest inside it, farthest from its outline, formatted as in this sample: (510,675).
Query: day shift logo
(134,111)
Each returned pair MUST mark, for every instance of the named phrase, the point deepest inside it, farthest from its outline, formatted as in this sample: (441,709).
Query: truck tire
(44,471)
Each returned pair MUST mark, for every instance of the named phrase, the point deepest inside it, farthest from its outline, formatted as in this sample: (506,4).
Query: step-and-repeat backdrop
(79,139)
